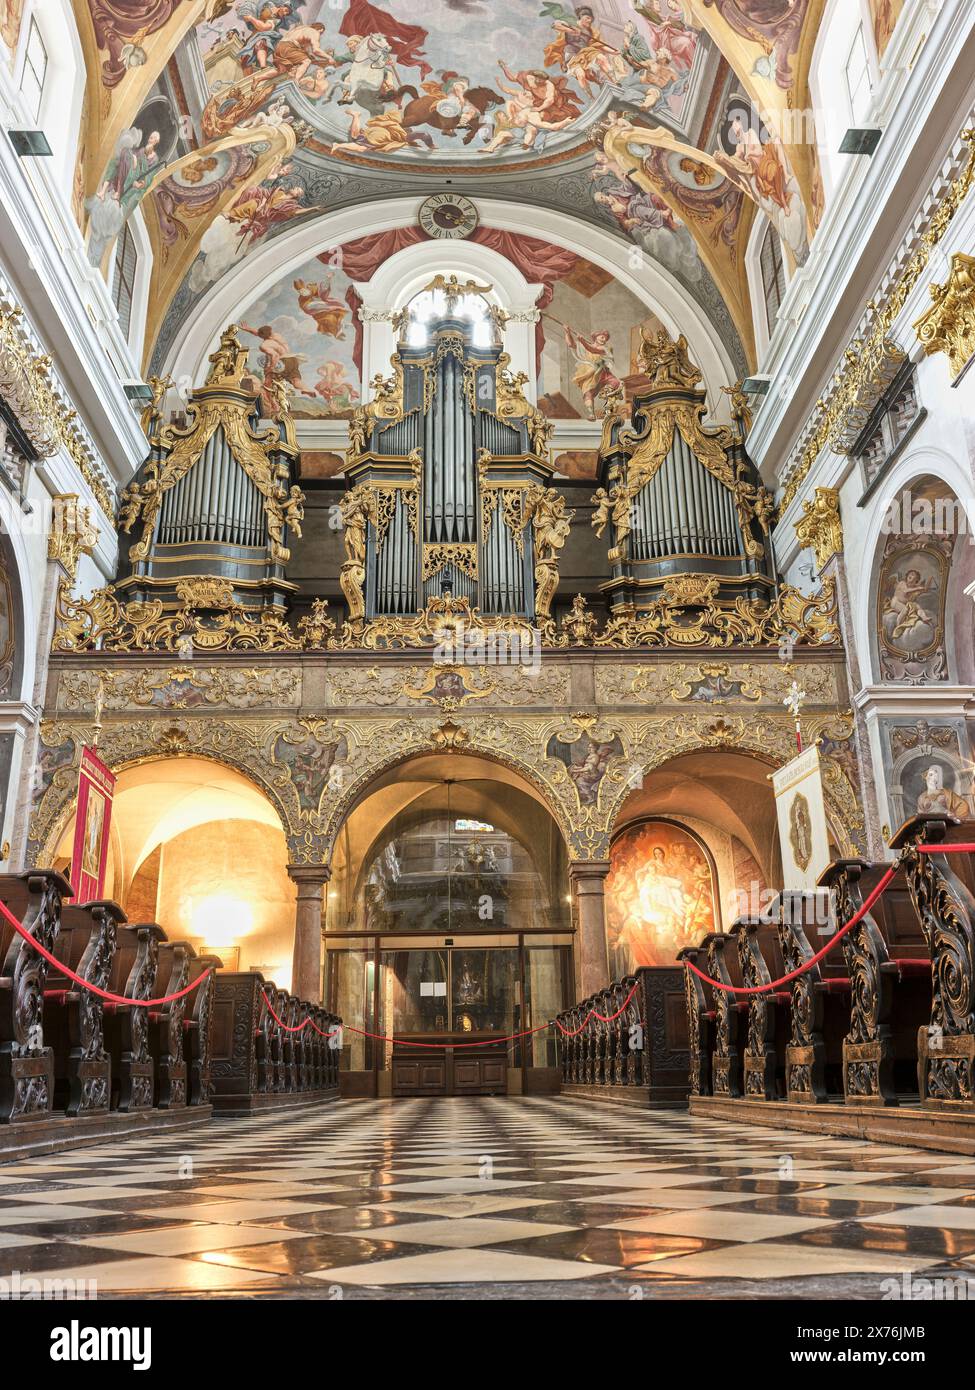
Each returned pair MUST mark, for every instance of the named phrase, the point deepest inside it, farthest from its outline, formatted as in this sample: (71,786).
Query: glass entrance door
(450,930)
(471,988)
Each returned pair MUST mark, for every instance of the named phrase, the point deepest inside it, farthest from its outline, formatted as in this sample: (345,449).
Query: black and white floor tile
(496,1198)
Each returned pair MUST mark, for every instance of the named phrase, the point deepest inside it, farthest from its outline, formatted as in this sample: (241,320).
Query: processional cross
(793,702)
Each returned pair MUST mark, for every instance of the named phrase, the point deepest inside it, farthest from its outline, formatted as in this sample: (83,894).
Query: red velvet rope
(86,984)
(406,1042)
(510,1037)
(857,917)
(574,1032)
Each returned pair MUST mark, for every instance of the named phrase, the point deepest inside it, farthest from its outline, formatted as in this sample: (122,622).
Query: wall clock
(448,215)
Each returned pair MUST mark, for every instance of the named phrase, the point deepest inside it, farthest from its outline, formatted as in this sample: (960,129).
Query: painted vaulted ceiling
(231,122)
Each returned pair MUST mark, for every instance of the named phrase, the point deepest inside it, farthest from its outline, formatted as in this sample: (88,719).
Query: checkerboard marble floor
(487,1198)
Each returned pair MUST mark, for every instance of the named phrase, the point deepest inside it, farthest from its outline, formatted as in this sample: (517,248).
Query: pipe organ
(216,499)
(449,478)
(685,502)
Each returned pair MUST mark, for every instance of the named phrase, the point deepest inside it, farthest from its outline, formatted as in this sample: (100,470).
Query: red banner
(96,788)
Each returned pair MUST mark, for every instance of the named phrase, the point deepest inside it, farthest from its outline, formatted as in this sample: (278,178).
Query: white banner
(801,811)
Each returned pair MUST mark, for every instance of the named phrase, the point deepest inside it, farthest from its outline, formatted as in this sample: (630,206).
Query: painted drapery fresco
(306,330)
(659,896)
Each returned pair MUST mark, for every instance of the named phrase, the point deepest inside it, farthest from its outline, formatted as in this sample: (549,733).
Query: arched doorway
(448,923)
(198,848)
(694,847)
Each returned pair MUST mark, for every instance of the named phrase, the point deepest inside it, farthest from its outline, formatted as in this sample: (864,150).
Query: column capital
(588,868)
(315,875)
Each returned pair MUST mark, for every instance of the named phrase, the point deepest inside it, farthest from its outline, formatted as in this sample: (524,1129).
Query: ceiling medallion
(448,215)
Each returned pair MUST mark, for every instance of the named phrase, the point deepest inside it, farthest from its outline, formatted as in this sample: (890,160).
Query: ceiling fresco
(453,79)
(230,122)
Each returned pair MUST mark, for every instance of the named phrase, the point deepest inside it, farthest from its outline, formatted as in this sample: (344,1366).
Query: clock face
(448,215)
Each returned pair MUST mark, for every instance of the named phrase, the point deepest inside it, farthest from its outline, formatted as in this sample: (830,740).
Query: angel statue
(613,506)
(550,525)
(355,513)
(603,510)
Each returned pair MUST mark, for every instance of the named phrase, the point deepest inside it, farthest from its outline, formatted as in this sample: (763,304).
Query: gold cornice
(865,356)
(25,383)
(820,526)
(949,325)
(72,534)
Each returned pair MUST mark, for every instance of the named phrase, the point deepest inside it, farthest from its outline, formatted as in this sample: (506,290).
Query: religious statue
(294,509)
(741,411)
(356,514)
(130,507)
(550,525)
(666,360)
(602,512)
(158,385)
(614,506)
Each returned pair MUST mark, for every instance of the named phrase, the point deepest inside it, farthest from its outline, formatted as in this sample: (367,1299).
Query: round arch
(469,788)
(756,750)
(386,773)
(654,286)
(924,463)
(58,804)
(407,272)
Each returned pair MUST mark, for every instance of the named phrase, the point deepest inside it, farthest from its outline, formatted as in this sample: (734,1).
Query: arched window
(432,304)
(124,278)
(773,275)
(859,84)
(34,72)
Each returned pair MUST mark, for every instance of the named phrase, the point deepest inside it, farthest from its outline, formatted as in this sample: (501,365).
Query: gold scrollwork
(688,614)
(820,526)
(866,359)
(73,532)
(27,387)
(949,325)
(222,403)
(461,554)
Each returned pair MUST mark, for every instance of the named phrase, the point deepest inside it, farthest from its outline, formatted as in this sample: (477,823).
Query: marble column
(306,969)
(587,881)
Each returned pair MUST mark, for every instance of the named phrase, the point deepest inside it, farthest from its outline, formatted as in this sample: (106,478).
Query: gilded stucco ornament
(179,688)
(222,403)
(27,385)
(550,523)
(949,325)
(820,527)
(513,405)
(73,532)
(207,620)
(314,770)
(385,406)
(687,614)
(871,358)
